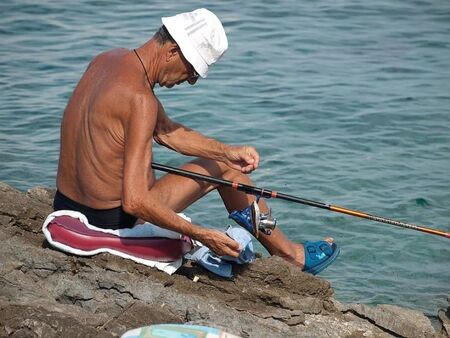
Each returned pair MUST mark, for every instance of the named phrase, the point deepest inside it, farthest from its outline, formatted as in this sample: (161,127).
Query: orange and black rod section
(248,189)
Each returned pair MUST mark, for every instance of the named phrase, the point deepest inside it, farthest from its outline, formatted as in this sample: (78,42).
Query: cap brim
(189,52)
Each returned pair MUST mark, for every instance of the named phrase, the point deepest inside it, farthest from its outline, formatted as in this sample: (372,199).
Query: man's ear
(172,51)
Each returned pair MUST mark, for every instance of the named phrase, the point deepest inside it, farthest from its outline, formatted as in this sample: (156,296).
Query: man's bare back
(92,132)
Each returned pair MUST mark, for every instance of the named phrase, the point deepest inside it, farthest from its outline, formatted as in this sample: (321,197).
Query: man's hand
(242,158)
(219,242)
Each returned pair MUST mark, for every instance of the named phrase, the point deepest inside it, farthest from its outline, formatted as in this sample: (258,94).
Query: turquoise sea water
(348,103)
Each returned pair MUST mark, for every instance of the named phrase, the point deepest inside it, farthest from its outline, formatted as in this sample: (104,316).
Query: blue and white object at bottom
(177,331)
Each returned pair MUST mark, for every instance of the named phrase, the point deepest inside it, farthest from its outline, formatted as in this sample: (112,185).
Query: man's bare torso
(91,161)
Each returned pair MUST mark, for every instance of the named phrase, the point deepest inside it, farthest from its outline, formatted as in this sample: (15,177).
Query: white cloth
(200,36)
(140,230)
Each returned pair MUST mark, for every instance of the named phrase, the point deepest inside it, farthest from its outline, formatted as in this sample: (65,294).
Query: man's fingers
(228,251)
(233,252)
(256,163)
(236,166)
(243,158)
(249,159)
(233,247)
(252,157)
(240,167)
(248,169)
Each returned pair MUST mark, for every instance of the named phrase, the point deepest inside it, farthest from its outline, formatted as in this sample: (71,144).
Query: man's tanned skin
(106,149)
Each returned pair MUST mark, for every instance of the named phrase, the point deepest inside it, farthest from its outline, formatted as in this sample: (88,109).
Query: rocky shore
(47,293)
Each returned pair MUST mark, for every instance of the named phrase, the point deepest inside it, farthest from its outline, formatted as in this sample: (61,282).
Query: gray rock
(42,194)
(444,318)
(401,321)
(46,293)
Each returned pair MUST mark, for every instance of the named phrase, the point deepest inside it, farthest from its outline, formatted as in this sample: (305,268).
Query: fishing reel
(252,219)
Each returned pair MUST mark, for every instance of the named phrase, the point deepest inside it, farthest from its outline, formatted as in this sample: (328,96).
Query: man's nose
(192,80)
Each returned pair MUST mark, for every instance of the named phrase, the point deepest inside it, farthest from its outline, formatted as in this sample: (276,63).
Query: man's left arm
(189,142)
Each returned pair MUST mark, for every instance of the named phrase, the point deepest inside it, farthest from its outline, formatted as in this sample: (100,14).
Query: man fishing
(106,143)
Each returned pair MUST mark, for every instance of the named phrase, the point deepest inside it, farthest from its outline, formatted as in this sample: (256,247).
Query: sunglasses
(191,70)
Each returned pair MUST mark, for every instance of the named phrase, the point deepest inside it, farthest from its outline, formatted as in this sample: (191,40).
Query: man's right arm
(138,198)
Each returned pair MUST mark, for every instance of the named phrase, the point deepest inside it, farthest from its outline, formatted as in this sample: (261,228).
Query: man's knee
(218,168)
(213,167)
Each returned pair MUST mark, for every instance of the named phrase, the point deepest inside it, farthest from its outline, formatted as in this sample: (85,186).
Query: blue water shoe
(318,255)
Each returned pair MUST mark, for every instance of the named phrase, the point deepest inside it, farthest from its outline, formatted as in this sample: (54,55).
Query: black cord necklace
(145,70)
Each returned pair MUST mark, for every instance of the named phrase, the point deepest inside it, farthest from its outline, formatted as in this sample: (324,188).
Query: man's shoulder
(122,84)
(143,100)
(105,58)
(124,79)
(112,53)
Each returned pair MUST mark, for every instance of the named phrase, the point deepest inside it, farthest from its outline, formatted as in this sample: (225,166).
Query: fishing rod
(248,189)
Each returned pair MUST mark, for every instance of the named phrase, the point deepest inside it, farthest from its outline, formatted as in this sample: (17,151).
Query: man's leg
(178,192)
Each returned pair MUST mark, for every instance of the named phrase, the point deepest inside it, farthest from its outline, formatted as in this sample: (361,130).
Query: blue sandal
(318,255)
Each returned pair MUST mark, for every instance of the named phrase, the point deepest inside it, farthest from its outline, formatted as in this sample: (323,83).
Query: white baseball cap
(200,36)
